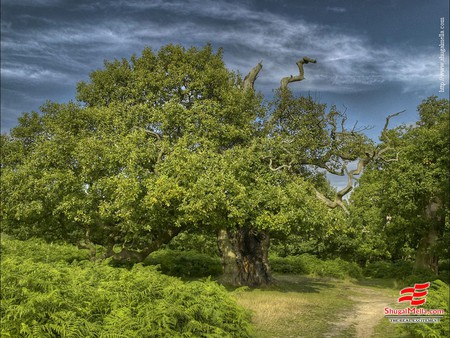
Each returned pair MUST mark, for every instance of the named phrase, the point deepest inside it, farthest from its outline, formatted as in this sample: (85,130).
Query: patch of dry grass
(273,311)
(299,306)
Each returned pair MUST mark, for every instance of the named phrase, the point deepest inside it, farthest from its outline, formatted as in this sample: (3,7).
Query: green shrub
(88,299)
(294,245)
(203,243)
(338,268)
(289,264)
(185,263)
(310,265)
(419,276)
(39,251)
(386,269)
(437,298)
(403,272)
(444,265)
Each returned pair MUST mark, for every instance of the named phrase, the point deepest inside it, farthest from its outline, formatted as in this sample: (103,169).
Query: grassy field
(300,306)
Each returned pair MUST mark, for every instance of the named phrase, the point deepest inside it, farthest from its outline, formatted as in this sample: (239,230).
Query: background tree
(403,205)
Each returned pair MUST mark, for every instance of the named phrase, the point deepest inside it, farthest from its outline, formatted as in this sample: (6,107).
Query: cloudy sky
(374,57)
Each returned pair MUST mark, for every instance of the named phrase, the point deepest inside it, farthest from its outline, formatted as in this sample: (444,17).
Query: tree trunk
(244,254)
(426,258)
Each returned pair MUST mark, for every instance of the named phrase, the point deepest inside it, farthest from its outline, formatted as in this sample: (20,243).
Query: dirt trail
(365,315)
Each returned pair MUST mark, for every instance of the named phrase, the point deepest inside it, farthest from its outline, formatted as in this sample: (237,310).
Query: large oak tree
(173,140)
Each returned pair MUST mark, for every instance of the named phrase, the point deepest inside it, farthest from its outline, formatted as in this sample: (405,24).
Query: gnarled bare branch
(331,204)
(338,198)
(153,133)
(250,78)
(369,156)
(287,166)
(384,136)
(288,79)
(158,138)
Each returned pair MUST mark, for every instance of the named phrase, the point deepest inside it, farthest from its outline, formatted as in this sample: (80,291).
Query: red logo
(418,291)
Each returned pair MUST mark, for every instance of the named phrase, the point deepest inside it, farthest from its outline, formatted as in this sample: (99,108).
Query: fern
(437,298)
(69,298)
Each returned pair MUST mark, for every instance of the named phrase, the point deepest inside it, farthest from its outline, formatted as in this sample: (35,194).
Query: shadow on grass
(293,283)
(302,284)
(380,283)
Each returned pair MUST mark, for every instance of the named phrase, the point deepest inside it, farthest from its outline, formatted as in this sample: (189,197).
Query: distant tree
(403,206)
(171,141)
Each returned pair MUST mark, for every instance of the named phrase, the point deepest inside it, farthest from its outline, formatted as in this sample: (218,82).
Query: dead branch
(338,198)
(288,79)
(384,136)
(389,159)
(331,204)
(153,133)
(250,78)
(388,118)
(158,138)
(287,166)
(362,163)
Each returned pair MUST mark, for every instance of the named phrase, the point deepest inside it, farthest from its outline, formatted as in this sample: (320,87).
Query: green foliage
(118,167)
(403,272)
(84,299)
(419,275)
(332,237)
(311,265)
(387,269)
(437,298)
(185,263)
(39,251)
(401,207)
(203,243)
(294,245)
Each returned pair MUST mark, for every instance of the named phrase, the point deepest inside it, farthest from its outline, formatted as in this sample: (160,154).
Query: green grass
(386,329)
(307,306)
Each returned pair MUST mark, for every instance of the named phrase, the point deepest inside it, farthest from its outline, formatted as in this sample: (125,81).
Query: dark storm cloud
(50,45)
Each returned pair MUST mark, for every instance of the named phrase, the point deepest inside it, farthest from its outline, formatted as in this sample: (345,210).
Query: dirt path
(364,316)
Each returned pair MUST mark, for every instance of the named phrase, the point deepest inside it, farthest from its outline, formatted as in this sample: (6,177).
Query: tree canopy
(173,140)
(403,204)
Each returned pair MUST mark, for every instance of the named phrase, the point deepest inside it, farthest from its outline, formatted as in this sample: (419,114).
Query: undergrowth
(437,298)
(46,297)
(307,264)
(185,263)
(404,272)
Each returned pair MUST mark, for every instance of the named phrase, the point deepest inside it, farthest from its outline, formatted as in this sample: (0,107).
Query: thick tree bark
(250,78)
(244,255)
(244,251)
(426,258)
